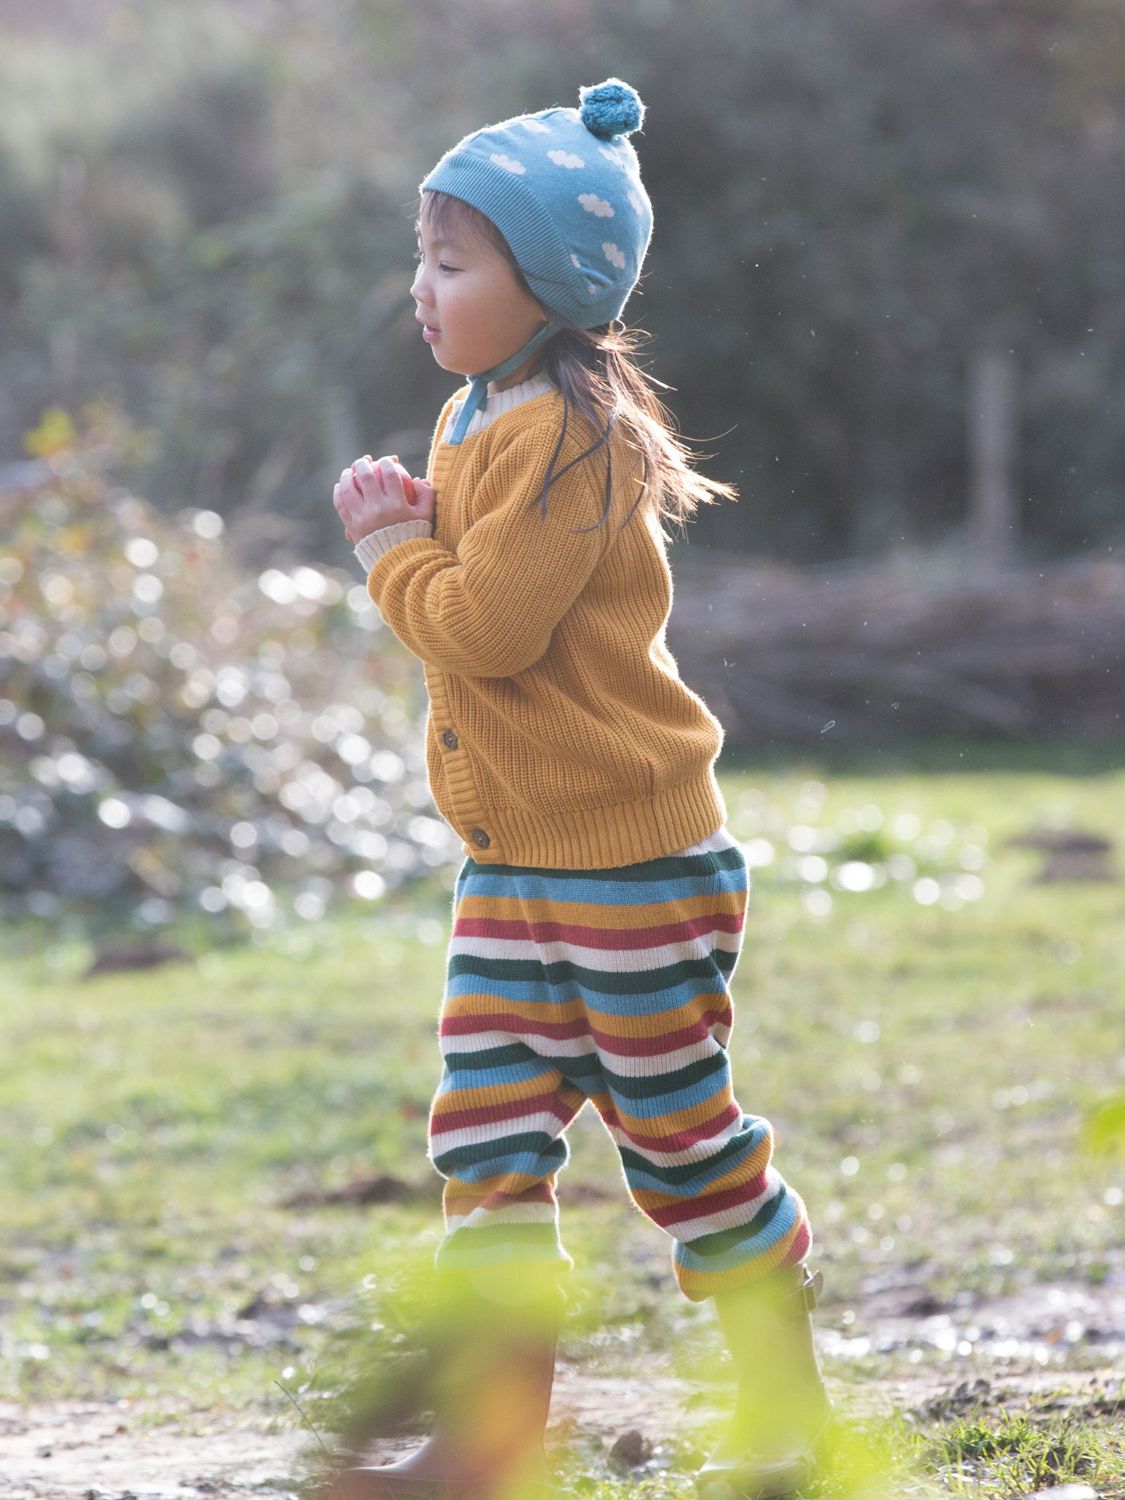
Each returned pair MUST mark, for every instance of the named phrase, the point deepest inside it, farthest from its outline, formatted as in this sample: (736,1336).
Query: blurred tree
(849,201)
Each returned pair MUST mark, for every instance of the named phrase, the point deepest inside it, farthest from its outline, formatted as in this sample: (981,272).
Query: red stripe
(503,1020)
(700,1208)
(668,1041)
(442,1120)
(800,1246)
(676,1140)
(619,940)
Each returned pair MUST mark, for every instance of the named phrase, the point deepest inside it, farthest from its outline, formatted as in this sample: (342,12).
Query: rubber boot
(492,1396)
(783,1408)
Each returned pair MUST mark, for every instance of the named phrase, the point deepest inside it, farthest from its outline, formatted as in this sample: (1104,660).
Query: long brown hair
(612,398)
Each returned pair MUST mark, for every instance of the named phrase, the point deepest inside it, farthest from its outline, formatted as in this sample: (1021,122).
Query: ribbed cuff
(369,549)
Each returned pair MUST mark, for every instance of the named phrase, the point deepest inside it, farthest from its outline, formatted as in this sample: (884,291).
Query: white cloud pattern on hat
(613,254)
(509,163)
(600,207)
(566,159)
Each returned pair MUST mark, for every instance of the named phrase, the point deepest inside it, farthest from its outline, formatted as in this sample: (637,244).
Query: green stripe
(588,1067)
(496,1057)
(677,1176)
(535,1142)
(728,1239)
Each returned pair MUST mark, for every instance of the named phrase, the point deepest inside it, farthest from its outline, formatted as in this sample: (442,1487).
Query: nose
(419,286)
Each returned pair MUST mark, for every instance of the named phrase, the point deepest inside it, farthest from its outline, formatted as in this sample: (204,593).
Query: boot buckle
(811,1289)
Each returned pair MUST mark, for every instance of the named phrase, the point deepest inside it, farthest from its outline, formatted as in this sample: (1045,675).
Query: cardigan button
(480,838)
(450,740)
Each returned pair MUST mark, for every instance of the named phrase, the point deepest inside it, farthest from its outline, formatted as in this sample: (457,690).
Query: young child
(598,915)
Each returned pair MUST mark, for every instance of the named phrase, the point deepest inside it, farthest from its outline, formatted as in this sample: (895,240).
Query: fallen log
(901,648)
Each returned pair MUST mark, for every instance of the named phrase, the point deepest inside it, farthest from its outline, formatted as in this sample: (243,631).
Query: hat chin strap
(478,384)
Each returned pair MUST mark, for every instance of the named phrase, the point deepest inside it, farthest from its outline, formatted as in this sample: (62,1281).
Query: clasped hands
(372,494)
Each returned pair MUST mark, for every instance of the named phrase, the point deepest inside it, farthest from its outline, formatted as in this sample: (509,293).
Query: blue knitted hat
(564,188)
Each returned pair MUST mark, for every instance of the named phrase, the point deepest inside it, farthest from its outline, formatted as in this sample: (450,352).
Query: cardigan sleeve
(370,548)
(489,609)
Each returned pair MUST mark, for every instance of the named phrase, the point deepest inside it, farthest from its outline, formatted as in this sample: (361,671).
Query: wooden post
(993,512)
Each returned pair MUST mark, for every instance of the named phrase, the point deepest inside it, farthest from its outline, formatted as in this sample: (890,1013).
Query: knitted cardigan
(559,733)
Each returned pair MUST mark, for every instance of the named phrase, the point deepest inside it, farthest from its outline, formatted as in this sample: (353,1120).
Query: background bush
(178,735)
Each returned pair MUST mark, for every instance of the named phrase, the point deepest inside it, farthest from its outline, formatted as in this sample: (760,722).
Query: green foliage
(178,735)
(1022,1453)
(1105,1127)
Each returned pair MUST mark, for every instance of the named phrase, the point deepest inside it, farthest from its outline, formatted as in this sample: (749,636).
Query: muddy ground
(1053,1347)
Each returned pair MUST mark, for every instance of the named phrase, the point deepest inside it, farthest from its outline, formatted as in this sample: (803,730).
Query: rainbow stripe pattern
(611,986)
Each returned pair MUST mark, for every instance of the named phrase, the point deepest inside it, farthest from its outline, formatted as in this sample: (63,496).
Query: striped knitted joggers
(613,986)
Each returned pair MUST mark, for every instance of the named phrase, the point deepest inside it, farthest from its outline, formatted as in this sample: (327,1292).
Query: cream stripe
(728,1218)
(624,1065)
(498,404)
(700,1152)
(509,1213)
(605,960)
(722,838)
(495,1130)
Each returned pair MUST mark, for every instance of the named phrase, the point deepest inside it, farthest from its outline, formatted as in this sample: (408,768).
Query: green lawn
(938,1053)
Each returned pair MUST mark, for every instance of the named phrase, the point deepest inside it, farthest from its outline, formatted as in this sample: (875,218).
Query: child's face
(474,311)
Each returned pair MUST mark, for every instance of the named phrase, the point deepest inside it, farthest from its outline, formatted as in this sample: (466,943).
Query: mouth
(429,332)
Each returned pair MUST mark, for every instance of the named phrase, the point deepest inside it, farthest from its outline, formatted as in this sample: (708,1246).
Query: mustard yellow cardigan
(559,733)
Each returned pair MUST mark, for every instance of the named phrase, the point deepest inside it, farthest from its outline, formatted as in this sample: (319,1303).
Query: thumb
(424,497)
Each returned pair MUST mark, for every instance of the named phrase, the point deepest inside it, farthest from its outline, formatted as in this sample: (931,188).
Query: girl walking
(598,915)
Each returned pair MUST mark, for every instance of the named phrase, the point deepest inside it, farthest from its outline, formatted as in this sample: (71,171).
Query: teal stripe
(532,1152)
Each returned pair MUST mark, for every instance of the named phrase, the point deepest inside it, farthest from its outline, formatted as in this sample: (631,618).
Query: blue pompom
(611,108)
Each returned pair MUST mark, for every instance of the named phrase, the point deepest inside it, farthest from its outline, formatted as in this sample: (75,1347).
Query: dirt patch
(1052,1347)
(72,1450)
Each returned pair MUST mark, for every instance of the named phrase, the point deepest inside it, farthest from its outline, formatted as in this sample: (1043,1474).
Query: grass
(934,1053)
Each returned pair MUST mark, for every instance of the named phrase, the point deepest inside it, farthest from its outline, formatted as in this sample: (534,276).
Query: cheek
(451,299)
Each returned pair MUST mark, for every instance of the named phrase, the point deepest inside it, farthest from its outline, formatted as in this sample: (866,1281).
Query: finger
(364,471)
(390,478)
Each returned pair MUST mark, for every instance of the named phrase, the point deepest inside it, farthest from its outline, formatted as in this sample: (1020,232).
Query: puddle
(1046,1326)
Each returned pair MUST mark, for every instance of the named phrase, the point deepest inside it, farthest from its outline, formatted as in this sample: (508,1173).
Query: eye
(420,256)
